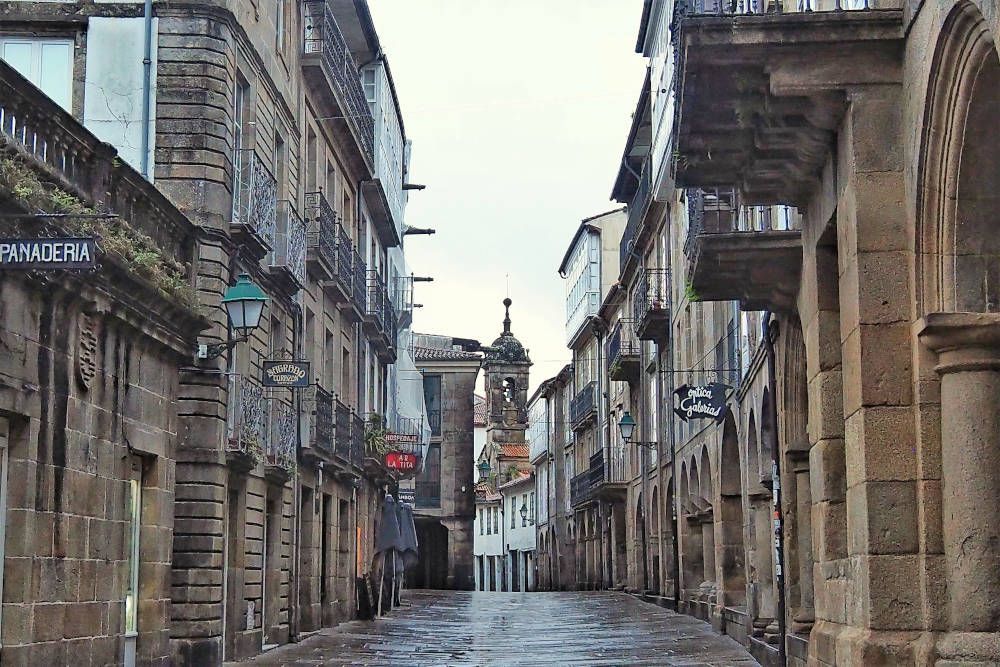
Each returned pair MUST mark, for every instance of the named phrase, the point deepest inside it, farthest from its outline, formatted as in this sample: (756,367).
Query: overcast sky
(518,111)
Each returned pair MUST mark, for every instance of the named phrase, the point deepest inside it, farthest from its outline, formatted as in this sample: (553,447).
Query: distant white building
(518,532)
(488,541)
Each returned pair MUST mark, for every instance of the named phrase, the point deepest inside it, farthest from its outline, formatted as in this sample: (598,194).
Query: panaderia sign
(701,402)
(44,254)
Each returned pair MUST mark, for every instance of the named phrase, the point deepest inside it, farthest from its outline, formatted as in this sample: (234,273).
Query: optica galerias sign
(401,461)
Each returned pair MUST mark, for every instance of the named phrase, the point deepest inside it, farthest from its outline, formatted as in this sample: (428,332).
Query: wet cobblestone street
(467,628)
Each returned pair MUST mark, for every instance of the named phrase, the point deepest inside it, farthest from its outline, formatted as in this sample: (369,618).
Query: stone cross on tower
(506,367)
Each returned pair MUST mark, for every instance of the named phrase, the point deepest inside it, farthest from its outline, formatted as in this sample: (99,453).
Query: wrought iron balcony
(288,261)
(651,305)
(322,422)
(752,254)
(323,228)
(359,283)
(583,407)
(628,249)
(763,85)
(281,447)
(375,303)
(357,440)
(585,487)
(623,352)
(380,318)
(345,264)
(255,200)
(330,68)
(434,418)
(248,428)
(404,301)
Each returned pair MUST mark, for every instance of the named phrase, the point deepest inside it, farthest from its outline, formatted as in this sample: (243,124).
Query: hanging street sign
(702,402)
(294,374)
(47,254)
(401,461)
(406,496)
(401,438)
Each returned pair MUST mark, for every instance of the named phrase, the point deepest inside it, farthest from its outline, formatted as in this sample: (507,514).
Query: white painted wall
(112,105)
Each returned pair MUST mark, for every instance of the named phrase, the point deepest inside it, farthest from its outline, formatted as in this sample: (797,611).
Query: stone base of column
(968,648)
(835,644)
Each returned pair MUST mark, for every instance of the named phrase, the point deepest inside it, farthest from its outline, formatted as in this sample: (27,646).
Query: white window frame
(34,75)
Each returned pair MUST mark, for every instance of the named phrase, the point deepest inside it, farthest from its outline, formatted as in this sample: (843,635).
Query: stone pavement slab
(459,628)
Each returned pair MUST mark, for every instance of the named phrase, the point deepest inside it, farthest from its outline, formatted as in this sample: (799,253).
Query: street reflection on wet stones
(475,628)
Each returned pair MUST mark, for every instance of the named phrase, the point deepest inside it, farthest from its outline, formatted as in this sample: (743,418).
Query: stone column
(968,348)
(804,615)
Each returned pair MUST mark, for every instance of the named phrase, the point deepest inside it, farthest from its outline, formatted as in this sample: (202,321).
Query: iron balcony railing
(584,405)
(434,418)
(322,422)
(255,196)
(636,211)
(729,7)
(323,36)
(342,430)
(359,281)
(248,433)
(409,427)
(280,449)
(652,296)
(622,342)
(323,231)
(345,260)
(720,211)
(377,299)
(357,440)
(290,243)
(585,486)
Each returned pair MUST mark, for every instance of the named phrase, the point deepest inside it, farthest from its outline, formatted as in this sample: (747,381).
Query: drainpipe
(779,531)
(147,69)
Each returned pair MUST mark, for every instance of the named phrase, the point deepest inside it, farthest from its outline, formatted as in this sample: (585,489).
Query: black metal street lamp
(524,515)
(484,469)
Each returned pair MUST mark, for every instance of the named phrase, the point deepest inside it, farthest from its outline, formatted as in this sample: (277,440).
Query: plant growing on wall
(137,252)
(689,292)
(375,432)
(511,472)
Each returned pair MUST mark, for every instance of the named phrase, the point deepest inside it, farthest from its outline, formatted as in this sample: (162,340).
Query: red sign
(401,461)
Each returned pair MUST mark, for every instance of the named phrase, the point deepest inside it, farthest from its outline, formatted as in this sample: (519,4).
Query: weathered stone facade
(810,227)
(88,389)
(444,508)
(261,502)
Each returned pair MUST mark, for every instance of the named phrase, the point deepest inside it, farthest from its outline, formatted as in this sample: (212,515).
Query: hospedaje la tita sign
(46,254)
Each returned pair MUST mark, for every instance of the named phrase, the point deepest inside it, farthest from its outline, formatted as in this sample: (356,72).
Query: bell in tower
(506,366)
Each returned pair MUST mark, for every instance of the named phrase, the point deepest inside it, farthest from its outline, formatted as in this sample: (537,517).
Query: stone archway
(958,293)
(641,547)
(729,518)
(958,247)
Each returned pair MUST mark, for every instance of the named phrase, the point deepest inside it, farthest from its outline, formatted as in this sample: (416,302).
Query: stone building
(276,131)
(517,499)
(808,191)
(445,503)
(551,456)
(88,387)
(597,473)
